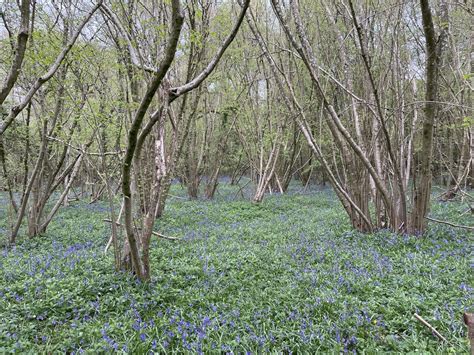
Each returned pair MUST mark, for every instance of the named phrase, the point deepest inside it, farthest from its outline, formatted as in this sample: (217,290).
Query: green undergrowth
(286,275)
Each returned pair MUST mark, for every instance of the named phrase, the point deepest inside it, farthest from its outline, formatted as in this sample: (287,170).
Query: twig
(465,193)
(469,210)
(153,232)
(240,190)
(433,330)
(82,150)
(111,239)
(179,197)
(449,223)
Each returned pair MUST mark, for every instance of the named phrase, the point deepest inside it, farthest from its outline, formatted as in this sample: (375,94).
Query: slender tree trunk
(423,185)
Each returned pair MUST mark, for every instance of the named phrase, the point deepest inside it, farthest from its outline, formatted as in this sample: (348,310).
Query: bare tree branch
(49,74)
(22,39)
(180,90)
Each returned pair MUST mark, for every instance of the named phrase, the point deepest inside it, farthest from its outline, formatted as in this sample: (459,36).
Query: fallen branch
(449,223)
(433,330)
(469,210)
(154,233)
(179,197)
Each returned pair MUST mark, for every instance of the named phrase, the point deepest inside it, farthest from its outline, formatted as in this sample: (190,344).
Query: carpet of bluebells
(288,275)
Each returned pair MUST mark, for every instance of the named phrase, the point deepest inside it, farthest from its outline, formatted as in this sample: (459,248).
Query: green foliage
(286,274)
(467,121)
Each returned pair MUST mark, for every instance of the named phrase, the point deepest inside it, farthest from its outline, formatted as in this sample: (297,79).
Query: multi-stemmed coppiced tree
(156,173)
(383,118)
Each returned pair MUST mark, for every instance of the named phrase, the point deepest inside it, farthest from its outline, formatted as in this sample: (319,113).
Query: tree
(423,185)
(136,138)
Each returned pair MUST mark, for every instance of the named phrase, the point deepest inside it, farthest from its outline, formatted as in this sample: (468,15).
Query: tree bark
(423,185)
(176,25)
(20,49)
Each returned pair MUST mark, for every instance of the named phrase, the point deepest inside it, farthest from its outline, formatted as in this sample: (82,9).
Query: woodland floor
(285,275)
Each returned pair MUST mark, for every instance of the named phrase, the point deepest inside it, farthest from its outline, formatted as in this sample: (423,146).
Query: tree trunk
(423,185)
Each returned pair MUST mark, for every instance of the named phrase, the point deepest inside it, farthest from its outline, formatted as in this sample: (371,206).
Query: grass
(288,275)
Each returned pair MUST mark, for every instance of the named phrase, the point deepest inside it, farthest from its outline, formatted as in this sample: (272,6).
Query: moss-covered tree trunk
(423,185)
